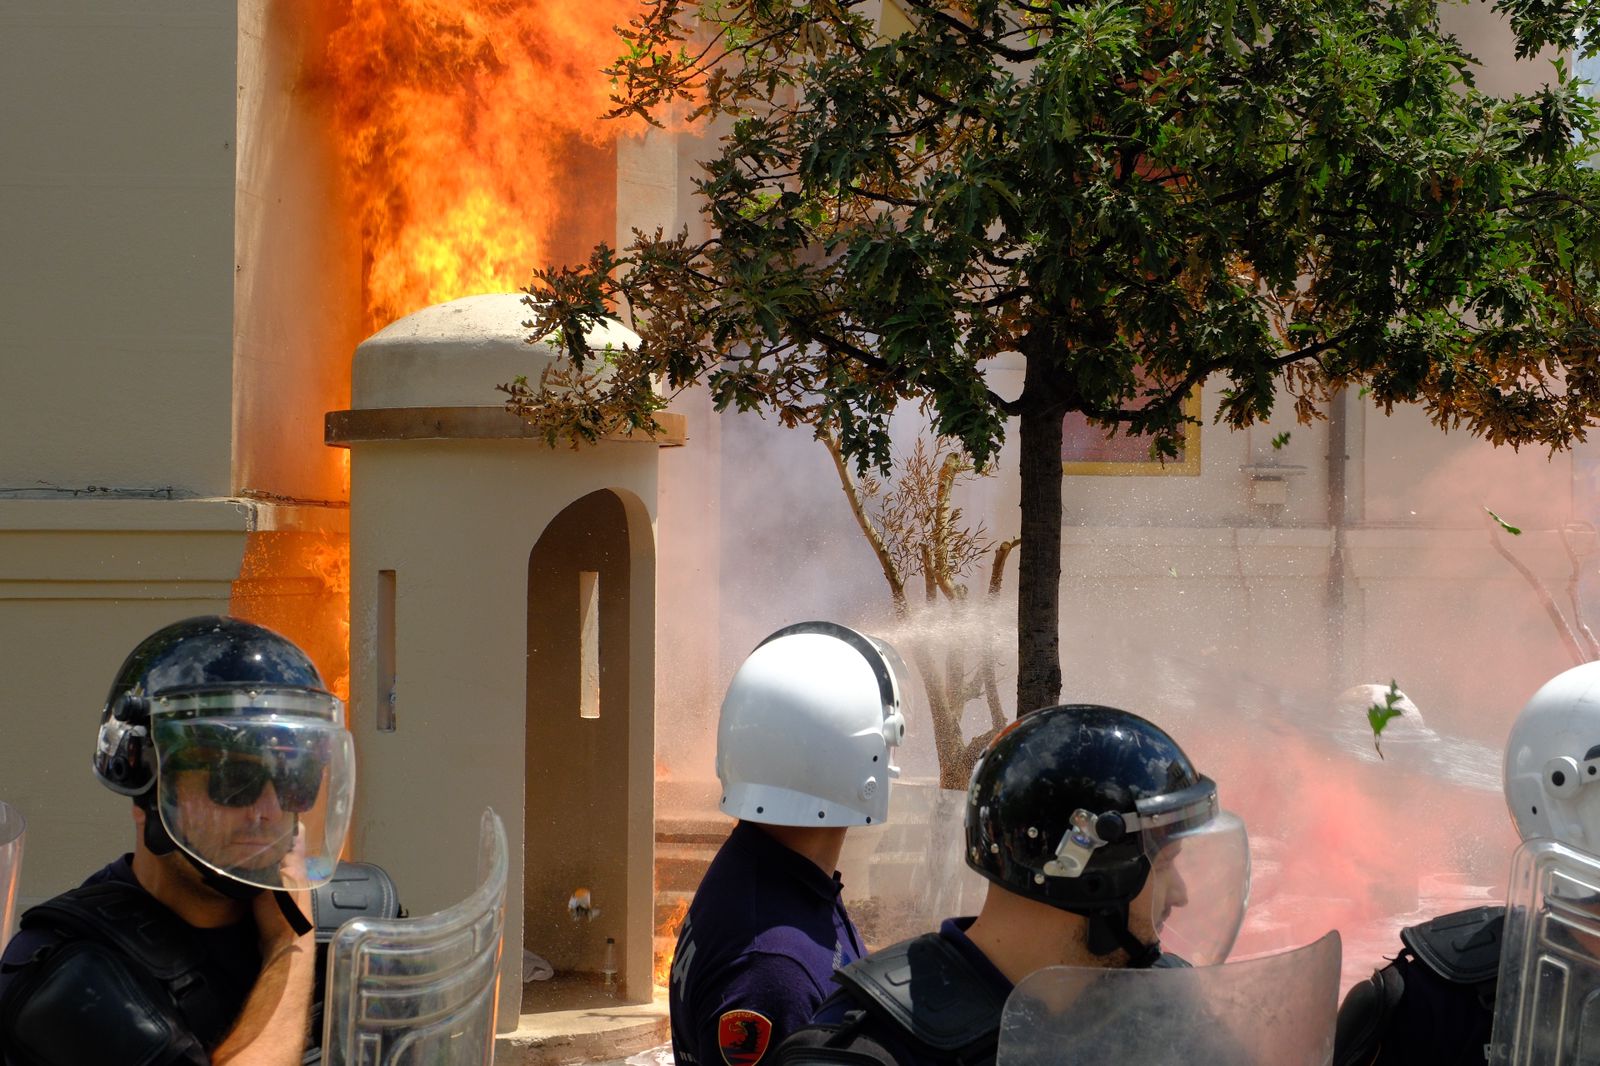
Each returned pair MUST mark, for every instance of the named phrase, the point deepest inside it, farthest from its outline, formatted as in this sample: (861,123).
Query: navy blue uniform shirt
(756,952)
(891,1039)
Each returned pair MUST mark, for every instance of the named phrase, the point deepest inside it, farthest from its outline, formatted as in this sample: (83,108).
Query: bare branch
(1563,630)
(891,573)
(1574,574)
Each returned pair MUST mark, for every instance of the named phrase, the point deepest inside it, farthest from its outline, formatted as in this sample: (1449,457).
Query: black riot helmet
(1077,806)
(224,732)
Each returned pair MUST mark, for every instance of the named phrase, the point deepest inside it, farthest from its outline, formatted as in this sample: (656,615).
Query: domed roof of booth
(446,359)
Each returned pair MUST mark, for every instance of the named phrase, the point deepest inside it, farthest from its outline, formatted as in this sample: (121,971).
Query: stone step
(692,831)
(679,867)
(585,1034)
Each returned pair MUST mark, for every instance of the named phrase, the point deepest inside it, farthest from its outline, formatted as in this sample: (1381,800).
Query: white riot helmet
(1552,767)
(809,727)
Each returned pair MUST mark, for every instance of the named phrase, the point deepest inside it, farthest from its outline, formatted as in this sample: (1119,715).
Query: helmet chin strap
(1108,932)
(159,842)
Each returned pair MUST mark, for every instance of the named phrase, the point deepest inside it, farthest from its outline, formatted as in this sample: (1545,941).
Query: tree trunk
(1039,564)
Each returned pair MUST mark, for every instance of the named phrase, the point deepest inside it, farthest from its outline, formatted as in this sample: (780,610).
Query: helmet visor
(1199,885)
(257,786)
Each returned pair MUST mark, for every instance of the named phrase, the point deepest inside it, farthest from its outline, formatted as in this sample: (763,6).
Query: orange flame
(666,942)
(470,151)
(470,138)
(298,583)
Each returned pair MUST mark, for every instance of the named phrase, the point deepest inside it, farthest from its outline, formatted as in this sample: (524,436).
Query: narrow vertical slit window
(588,644)
(385,672)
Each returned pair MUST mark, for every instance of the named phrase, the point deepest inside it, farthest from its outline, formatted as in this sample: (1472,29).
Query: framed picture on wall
(1088,450)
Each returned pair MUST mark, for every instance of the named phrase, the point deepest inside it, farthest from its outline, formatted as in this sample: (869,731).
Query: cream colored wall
(297,291)
(653,190)
(116,240)
(456,521)
(81,583)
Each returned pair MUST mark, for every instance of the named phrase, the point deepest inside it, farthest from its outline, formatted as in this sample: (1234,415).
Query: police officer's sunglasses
(237,780)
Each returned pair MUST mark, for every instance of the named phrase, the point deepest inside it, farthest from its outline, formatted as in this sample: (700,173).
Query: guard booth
(502,612)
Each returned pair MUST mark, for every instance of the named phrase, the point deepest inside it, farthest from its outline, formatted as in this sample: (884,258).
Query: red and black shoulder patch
(743,1036)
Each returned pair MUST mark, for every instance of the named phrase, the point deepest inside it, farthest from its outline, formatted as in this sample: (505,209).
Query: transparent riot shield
(1276,1010)
(1547,1005)
(416,991)
(12,830)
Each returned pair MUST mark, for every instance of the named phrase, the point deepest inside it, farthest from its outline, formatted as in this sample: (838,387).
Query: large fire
(470,138)
(471,150)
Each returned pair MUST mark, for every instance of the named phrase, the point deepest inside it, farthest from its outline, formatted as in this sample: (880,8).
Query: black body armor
(126,983)
(1432,1006)
(926,992)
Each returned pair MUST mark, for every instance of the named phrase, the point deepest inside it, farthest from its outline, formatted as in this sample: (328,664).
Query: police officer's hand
(271,921)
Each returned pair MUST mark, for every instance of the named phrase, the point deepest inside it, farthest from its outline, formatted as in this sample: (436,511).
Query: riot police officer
(804,745)
(1099,838)
(1434,1005)
(197,946)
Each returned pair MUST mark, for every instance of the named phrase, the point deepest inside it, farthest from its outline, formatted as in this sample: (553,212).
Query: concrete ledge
(343,428)
(1461,554)
(584,1035)
(1194,552)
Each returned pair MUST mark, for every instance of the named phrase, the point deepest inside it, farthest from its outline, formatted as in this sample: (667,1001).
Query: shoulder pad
(356,890)
(1365,1017)
(926,988)
(80,1001)
(125,918)
(1463,947)
(833,1045)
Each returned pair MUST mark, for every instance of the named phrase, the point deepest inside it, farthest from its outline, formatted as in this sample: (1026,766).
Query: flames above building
(468,147)
(470,137)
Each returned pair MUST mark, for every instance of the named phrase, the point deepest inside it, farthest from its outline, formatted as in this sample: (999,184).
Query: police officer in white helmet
(1437,1003)
(804,751)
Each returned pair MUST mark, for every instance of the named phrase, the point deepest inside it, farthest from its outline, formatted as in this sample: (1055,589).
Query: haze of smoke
(1244,668)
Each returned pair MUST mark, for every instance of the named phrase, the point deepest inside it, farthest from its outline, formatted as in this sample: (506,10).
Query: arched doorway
(590,600)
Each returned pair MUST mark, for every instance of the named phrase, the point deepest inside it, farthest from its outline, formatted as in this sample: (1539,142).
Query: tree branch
(852,492)
(1563,630)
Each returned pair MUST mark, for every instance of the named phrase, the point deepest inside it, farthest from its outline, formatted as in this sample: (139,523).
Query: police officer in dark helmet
(1097,834)
(197,947)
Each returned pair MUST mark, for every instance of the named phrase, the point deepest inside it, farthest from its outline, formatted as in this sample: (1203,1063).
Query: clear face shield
(255,785)
(1199,885)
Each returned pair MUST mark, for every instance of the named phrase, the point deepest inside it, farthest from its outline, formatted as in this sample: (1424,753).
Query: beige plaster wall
(456,521)
(116,240)
(297,286)
(654,190)
(82,582)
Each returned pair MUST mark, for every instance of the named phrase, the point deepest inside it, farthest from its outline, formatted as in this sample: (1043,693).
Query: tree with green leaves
(1288,197)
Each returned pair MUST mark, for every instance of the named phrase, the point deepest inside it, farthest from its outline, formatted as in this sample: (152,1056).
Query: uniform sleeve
(762,999)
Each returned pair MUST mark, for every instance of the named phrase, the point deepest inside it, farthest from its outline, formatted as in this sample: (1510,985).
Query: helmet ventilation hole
(869,819)
(1536,810)
(761,810)
(822,814)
